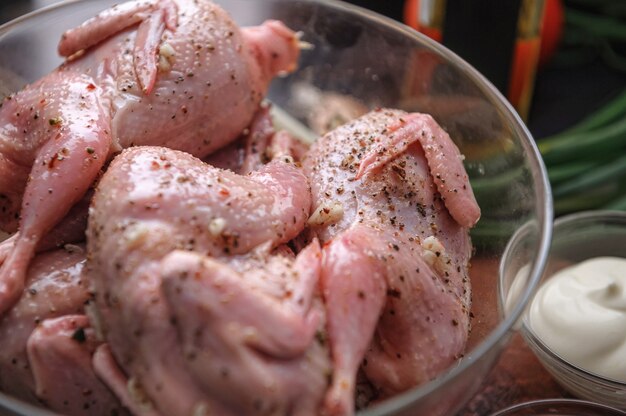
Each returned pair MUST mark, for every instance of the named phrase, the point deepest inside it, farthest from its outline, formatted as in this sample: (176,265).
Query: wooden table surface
(517,377)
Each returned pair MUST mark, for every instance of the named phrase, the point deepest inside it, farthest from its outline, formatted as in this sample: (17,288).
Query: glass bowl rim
(543,194)
(557,362)
(555,402)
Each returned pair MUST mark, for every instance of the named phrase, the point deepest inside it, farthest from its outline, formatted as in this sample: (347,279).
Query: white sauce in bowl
(580,314)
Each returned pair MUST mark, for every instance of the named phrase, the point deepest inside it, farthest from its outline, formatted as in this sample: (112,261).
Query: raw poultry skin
(259,144)
(202,305)
(175,73)
(392,205)
(46,342)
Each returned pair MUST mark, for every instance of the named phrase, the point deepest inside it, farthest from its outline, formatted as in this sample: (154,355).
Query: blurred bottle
(426,16)
(500,38)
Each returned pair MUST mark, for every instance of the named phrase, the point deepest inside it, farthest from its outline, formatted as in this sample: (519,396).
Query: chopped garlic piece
(95,319)
(250,335)
(138,395)
(217,226)
(166,57)
(164,64)
(200,409)
(136,236)
(303,44)
(435,253)
(429,257)
(166,50)
(433,244)
(326,214)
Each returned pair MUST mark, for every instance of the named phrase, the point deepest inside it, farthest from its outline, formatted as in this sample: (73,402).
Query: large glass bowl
(379,62)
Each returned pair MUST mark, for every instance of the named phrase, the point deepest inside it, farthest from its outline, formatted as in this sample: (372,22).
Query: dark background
(562,96)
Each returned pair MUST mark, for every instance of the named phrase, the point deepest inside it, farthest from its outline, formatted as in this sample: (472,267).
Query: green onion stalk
(586,166)
(586,163)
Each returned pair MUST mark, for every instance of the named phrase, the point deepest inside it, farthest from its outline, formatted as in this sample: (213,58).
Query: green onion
(609,138)
(612,111)
(596,177)
(562,172)
(598,25)
(618,203)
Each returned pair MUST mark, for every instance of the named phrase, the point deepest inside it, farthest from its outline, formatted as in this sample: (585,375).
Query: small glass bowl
(559,407)
(576,238)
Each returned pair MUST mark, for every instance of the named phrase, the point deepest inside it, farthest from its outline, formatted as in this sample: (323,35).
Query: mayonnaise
(580,314)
